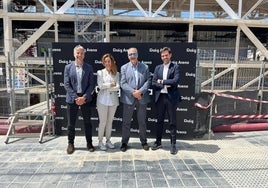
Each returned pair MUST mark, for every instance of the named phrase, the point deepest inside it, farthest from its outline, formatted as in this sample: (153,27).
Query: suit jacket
(70,82)
(106,87)
(128,83)
(172,80)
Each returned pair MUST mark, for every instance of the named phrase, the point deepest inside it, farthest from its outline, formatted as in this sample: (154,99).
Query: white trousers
(106,116)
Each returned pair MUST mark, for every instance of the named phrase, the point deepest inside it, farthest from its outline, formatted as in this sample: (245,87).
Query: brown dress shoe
(90,147)
(70,149)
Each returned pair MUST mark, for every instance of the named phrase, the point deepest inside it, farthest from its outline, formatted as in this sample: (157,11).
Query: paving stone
(226,160)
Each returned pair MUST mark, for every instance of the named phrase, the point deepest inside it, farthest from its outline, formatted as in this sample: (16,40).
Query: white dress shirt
(79,71)
(165,73)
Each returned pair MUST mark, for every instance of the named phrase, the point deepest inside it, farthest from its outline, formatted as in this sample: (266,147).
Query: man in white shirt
(165,84)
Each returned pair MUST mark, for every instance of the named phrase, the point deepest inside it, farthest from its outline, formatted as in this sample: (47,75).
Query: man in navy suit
(135,82)
(165,84)
(79,84)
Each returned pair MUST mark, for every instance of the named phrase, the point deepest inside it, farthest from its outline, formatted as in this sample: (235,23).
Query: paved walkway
(226,160)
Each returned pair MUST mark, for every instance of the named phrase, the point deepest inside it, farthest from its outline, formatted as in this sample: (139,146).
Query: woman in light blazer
(107,100)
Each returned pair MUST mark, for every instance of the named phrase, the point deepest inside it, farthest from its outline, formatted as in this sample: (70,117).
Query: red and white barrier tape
(229,96)
(241,116)
(205,107)
(240,98)
(234,116)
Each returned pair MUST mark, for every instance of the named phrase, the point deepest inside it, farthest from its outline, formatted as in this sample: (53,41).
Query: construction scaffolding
(89,21)
(31,26)
(25,111)
(228,75)
(36,121)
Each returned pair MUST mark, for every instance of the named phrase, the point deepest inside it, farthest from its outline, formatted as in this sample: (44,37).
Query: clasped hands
(137,94)
(80,100)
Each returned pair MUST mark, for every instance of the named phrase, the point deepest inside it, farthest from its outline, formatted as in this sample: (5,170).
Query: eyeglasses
(135,54)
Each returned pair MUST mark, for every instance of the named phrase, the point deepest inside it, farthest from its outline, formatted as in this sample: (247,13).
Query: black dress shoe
(90,147)
(173,149)
(123,147)
(70,149)
(156,146)
(145,147)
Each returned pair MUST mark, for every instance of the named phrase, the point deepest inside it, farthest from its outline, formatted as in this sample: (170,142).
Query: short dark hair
(165,49)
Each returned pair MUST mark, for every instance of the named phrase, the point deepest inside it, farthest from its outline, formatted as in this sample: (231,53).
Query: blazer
(173,78)
(70,82)
(104,87)
(128,83)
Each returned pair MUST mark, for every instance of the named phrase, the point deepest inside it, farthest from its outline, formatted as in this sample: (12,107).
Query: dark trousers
(164,105)
(72,110)
(128,111)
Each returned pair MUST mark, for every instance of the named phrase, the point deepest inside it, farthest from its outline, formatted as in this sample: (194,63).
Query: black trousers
(163,106)
(72,111)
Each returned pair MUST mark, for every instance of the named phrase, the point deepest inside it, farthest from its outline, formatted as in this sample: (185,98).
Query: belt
(79,94)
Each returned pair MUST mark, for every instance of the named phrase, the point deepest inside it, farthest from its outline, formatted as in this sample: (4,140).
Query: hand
(80,100)
(137,94)
(159,81)
(113,84)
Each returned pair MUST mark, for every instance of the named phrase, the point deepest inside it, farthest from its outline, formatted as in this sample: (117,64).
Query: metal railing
(229,75)
(16,94)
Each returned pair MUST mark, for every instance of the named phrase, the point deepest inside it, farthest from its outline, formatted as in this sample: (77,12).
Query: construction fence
(229,92)
(221,71)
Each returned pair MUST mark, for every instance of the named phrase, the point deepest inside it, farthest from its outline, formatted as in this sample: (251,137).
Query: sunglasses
(135,54)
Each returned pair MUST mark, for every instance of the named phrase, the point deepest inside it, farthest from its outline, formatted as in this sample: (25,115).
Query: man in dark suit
(79,84)
(135,82)
(165,84)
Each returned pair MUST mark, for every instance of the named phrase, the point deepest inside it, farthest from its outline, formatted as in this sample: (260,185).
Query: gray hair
(79,47)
